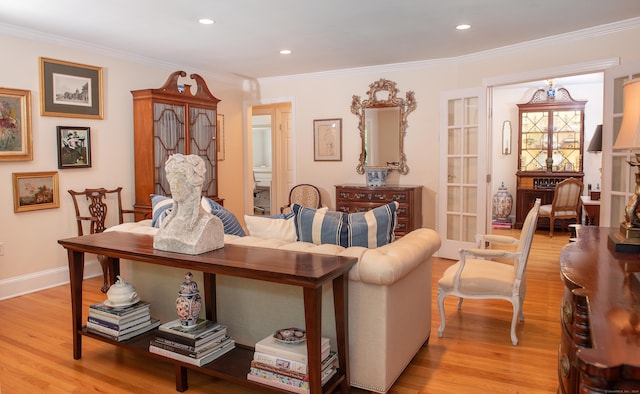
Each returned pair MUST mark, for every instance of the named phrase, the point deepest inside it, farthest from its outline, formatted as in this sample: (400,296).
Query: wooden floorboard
(475,354)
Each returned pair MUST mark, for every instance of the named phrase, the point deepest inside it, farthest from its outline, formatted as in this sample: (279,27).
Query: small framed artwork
(35,190)
(74,147)
(70,89)
(327,140)
(15,125)
(220,137)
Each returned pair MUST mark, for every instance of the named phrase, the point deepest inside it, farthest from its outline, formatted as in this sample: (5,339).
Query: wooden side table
(591,211)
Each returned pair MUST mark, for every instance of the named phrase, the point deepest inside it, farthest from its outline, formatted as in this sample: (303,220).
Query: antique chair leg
(106,270)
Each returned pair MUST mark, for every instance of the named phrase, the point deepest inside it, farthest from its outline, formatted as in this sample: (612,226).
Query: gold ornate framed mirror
(382,124)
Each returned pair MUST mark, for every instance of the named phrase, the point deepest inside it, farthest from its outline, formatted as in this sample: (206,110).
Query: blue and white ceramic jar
(189,302)
(376,176)
(502,203)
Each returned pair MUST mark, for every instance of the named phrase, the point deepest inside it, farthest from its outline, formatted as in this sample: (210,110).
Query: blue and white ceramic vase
(502,203)
(376,176)
(189,302)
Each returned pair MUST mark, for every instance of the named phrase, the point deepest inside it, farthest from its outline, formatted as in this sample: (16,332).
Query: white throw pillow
(281,227)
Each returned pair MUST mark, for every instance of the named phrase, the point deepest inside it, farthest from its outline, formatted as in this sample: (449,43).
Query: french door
(463,181)
(618,178)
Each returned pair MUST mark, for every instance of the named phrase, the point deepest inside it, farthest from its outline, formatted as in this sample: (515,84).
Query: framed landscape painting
(74,147)
(35,190)
(15,125)
(70,89)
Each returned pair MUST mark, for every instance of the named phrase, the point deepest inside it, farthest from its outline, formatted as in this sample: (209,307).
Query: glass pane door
(463,199)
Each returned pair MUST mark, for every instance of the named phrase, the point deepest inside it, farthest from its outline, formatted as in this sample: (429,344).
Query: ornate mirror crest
(379,100)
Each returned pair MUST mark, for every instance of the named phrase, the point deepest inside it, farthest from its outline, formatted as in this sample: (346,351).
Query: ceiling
(326,35)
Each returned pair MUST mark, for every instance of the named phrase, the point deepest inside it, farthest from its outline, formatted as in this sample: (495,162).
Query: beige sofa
(389,300)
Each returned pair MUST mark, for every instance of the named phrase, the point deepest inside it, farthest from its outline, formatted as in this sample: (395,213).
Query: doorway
(270,157)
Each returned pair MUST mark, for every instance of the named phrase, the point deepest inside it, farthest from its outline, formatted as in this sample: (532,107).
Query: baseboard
(37,281)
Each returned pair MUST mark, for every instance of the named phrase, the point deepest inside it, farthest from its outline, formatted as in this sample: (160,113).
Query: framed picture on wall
(220,137)
(70,89)
(74,147)
(35,190)
(327,140)
(15,125)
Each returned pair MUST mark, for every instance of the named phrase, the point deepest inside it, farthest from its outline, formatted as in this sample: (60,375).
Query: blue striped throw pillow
(160,208)
(318,227)
(373,228)
(370,229)
(230,222)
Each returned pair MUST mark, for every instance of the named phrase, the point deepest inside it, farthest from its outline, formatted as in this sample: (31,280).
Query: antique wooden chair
(478,276)
(92,211)
(566,203)
(304,194)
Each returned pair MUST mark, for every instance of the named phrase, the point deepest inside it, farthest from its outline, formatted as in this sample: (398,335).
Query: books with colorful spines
(222,348)
(329,362)
(153,323)
(202,327)
(196,353)
(290,351)
(118,326)
(119,313)
(201,340)
(285,382)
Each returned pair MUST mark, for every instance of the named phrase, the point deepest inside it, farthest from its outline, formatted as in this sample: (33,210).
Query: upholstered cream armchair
(305,195)
(477,276)
(566,203)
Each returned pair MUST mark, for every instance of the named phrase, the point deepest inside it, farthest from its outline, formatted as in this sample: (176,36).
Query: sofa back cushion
(280,226)
(370,229)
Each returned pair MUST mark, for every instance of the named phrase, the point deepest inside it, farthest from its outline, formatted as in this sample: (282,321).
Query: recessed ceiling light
(463,27)
(285,52)
(206,21)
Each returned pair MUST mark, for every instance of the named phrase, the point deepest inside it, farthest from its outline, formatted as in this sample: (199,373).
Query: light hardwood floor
(474,356)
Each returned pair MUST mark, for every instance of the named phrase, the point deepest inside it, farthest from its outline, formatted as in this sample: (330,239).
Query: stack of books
(501,223)
(120,323)
(198,345)
(284,365)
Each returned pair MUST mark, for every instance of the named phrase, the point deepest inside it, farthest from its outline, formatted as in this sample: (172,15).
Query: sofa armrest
(388,264)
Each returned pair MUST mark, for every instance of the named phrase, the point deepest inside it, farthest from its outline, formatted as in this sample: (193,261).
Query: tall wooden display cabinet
(168,120)
(550,146)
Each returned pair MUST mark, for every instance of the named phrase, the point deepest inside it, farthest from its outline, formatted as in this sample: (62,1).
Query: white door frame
(247,164)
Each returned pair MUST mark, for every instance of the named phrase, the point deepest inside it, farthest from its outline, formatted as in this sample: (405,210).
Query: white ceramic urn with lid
(121,293)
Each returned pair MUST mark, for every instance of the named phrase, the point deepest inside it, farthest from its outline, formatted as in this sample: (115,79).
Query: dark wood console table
(600,342)
(293,268)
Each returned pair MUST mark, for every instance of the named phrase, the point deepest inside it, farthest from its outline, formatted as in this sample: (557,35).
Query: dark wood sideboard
(358,198)
(600,317)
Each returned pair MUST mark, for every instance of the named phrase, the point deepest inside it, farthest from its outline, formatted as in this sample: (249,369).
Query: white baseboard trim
(30,283)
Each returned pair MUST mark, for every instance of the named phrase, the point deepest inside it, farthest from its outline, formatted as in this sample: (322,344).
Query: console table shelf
(306,270)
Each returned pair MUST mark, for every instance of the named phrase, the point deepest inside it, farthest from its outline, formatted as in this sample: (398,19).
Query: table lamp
(628,238)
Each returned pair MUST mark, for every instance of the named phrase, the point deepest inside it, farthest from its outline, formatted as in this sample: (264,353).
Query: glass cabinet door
(534,140)
(567,126)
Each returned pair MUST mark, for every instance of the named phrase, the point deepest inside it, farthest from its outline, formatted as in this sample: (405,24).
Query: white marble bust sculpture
(188,228)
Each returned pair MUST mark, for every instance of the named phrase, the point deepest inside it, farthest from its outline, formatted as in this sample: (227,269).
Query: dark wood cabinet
(600,316)
(173,119)
(356,198)
(550,146)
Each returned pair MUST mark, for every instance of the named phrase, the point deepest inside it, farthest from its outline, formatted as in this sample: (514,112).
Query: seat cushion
(481,277)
